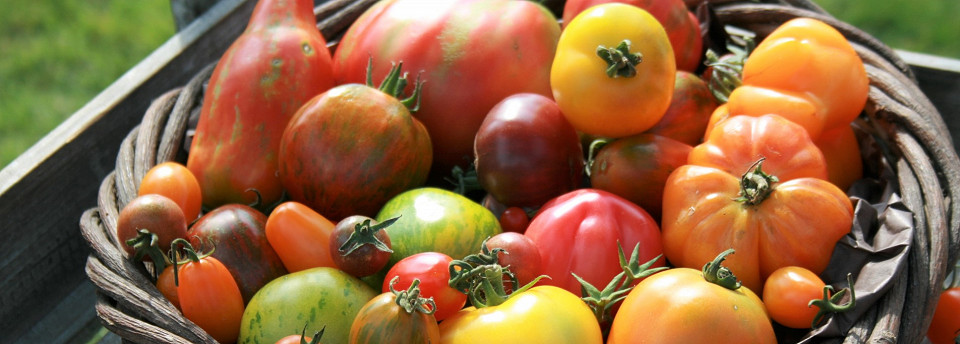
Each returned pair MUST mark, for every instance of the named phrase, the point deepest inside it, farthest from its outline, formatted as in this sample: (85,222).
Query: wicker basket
(914,138)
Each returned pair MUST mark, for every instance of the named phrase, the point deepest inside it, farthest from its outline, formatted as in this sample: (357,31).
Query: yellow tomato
(543,314)
(614,71)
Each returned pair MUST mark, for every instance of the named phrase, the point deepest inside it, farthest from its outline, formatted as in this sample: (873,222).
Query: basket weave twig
(919,149)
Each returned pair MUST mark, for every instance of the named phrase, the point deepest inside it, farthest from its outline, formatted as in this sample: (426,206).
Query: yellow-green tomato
(543,314)
(320,297)
(614,70)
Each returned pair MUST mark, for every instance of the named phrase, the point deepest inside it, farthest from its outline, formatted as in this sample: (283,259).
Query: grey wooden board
(44,294)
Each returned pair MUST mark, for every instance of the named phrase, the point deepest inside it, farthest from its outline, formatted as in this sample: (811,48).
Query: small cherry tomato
(522,256)
(359,246)
(157,214)
(176,182)
(945,326)
(514,219)
(432,269)
(300,236)
(787,293)
(210,297)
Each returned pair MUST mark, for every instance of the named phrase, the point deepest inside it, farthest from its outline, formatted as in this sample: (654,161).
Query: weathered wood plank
(44,191)
(939,78)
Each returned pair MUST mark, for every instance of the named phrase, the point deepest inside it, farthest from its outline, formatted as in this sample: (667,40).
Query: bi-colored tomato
(543,314)
(300,236)
(239,236)
(276,65)
(579,231)
(776,212)
(318,298)
(526,151)
(359,246)
(598,77)
(176,182)
(680,305)
(470,54)
(159,215)
(350,149)
(400,316)
(682,26)
(690,109)
(787,294)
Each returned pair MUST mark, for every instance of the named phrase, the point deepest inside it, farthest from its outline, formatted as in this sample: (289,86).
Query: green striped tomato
(435,220)
(317,297)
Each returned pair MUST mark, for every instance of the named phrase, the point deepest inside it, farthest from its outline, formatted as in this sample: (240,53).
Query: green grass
(55,55)
(928,26)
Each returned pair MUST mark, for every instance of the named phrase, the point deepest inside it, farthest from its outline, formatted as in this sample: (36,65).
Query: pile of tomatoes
(508,178)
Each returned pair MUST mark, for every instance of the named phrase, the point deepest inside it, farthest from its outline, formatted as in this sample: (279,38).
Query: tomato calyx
(621,62)
(363,234)
(316,335)
(714,272)
(146,243)
(183,247)
(410,300)
(481,277)
(726,72)
(394,84)
(601,302)
(830,304)
(464,181)
(592,152)
(756,185)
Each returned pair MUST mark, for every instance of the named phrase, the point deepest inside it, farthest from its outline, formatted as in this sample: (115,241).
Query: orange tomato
(176,182)
(787,294)
(842,151)
(210,298)
(300,236)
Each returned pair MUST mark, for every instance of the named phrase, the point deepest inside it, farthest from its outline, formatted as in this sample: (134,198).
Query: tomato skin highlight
(279,62)
(787,294)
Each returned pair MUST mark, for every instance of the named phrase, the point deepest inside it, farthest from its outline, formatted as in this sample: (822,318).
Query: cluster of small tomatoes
(610,185)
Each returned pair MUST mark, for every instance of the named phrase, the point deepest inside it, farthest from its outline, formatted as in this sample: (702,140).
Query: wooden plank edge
(95,109)
(935,62)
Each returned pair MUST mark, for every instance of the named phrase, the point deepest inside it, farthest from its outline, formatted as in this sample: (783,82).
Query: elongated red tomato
(279,62)
(210,298)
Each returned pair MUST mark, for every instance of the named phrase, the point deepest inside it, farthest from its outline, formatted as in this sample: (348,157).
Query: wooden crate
(45,295)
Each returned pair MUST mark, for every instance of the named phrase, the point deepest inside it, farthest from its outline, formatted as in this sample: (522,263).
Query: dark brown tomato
(155,213)
(527,152)
(351,149)
(689,113)
(366,259)
(637,167)
(240,240)
(522,256)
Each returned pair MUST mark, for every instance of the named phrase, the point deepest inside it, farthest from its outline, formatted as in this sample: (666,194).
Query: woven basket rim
(928,171)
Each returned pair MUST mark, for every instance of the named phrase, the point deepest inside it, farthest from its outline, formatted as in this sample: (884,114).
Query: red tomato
(279,62)
(787,294)
(579,232)
(690,109)
(945,326)
(522,256)
(177,183)
(527,152)
(681,25)
(472,54)
(432,269)
(514,219)
(300,236)
(210,298)
(637,167)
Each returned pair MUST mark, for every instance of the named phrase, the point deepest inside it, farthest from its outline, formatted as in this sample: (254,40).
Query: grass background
(55,55)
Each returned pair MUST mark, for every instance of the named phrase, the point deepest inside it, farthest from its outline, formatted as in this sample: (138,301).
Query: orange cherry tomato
(176,182)
(166,283)
(787,294)
(300,236)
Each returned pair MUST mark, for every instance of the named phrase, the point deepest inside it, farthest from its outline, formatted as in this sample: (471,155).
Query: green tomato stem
(410,301)
(830,304)
(621,62)
(363,234)
(756,185)
(718,274)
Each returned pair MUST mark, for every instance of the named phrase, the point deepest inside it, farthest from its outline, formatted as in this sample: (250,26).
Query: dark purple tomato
(527,152)
(359,246)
